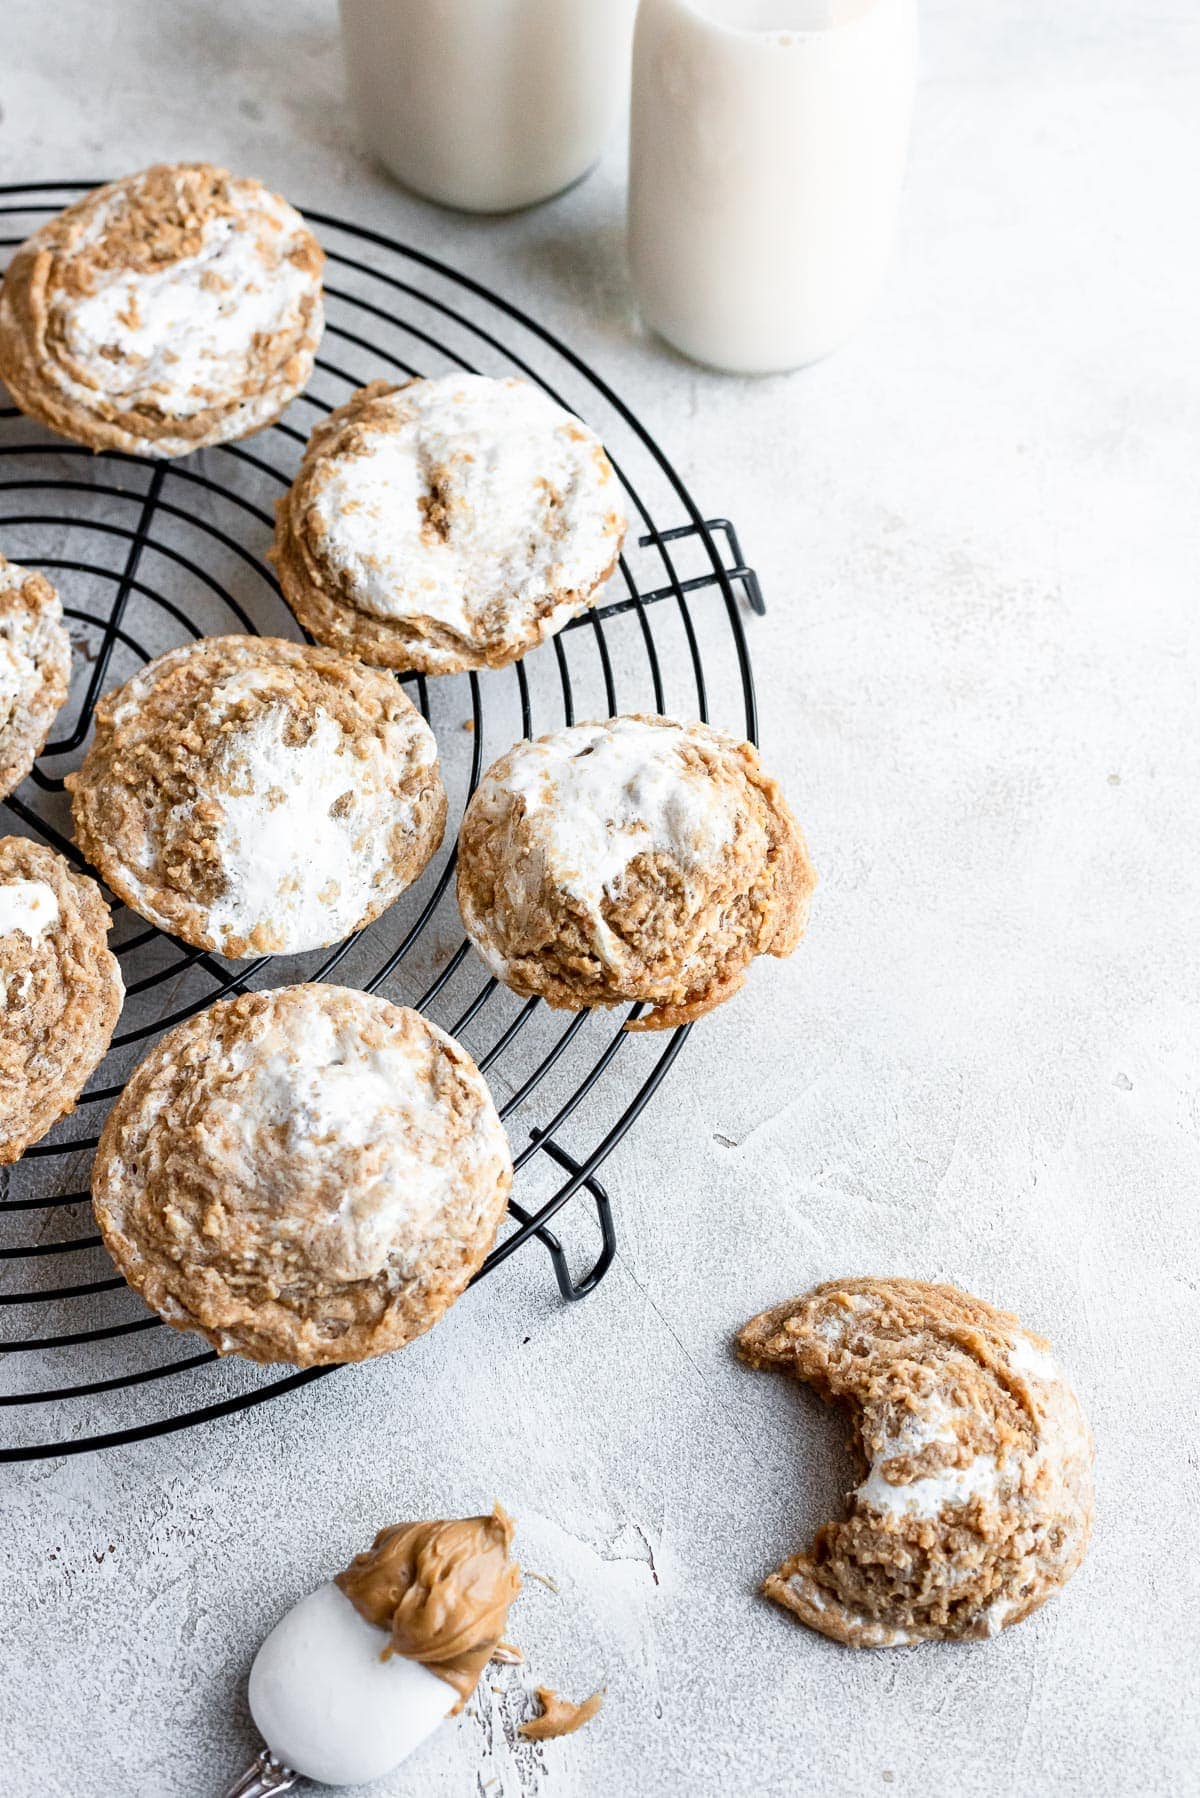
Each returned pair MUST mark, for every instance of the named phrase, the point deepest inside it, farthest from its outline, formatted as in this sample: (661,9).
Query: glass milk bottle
(487,104)
(767,151)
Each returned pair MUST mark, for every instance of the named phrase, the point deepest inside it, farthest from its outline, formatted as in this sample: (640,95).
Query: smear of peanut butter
(441,1590)
(559,1716)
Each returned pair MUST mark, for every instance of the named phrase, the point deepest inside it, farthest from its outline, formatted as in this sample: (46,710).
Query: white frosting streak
(928,1495)
(1033,1363)
(292,862)
(28,906)
(18,669)
(364,1117)
(179,336)
(597,795)
(492,452)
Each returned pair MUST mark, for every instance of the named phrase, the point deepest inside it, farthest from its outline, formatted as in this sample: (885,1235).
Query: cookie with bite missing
(176,308)
(975,1499)
(35,669)
(259,797)
(635,860)
(447,524)
(309,1175)
(60,990)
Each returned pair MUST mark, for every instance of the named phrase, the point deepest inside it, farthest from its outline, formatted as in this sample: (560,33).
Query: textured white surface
(977,531)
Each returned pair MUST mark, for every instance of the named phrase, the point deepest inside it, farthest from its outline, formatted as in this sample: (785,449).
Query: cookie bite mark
(635,860)
(60,990)
(259,797)
(447,524)
(975,1502)
(176,308)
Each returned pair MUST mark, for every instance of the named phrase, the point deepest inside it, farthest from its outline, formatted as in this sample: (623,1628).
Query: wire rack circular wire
(148,554)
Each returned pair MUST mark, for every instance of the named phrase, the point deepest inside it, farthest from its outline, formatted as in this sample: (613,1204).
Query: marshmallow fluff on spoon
(358,1674)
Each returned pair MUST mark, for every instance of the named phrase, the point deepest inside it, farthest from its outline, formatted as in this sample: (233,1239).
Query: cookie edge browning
(389,643)
(37,718)
(264,1346)
(792,909)
(83,783)
(764,1342)
(793,895)
(42,402)
(109,993)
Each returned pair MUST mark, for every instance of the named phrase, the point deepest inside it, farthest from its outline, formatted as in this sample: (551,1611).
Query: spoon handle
(267,1775)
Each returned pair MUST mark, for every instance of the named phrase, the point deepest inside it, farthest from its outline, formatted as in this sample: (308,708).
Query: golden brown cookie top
(631,859)
(976,1497)
(259,797)
(447,524)
(35,669)
(177,307)
(308,1175)
(60,989)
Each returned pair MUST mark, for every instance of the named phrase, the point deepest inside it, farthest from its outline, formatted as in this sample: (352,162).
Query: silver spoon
(265,1776)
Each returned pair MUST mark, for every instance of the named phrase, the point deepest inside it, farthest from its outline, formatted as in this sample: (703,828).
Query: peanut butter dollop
(441,1590)
(559,1716)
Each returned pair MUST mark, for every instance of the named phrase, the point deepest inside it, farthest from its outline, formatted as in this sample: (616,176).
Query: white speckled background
(978,532)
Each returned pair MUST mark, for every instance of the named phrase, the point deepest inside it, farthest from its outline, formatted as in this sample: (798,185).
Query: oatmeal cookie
(976,1498)
(61,989)
(631,860)
(35,669)
(310,1175)
(259,797)
(177,308)
(447,524)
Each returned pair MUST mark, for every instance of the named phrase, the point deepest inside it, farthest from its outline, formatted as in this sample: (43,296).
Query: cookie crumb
(559,1716)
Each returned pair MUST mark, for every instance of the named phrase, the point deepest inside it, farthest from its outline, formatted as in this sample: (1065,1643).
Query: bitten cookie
(61,990)
(976,1499)
(447,524)
(35,669)
(259,797)
(176,308)
(632,860)
(308,1175)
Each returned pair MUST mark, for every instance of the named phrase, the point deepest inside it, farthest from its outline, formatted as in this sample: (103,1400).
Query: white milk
(488,104)
(767,152)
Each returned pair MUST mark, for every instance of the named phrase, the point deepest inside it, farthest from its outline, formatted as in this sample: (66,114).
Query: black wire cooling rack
(147,554)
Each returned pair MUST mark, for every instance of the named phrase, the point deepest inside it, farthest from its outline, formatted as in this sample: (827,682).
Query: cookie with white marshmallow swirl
(308,1175)
(631,861)
(173,309)
(447,524)
(259,797)
(975,1500)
